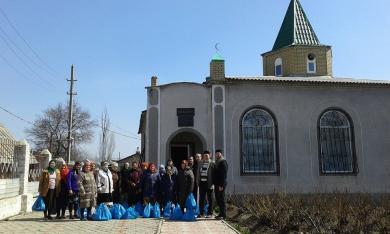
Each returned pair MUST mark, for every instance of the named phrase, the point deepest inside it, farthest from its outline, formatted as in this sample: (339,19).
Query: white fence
(18,179)
(9,188)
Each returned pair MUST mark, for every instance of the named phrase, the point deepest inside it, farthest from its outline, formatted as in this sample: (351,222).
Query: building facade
(297,129)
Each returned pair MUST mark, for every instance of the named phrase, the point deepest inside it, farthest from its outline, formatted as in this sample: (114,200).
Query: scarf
(64,172)
(51,170)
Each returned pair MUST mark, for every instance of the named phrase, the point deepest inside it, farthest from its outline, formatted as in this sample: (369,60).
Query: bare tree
(51,128)
(107,138)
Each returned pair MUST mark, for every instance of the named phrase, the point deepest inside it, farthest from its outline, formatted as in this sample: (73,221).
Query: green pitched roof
(296,28)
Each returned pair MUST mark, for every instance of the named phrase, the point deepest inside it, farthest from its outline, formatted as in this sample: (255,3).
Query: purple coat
(71,181)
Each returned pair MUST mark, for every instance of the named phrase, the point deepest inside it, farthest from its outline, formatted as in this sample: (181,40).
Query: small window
(278,67)
(185,117)
(311,63)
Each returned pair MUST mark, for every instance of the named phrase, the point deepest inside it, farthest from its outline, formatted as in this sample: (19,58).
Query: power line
(124,130)
(22,51)
(26,64)
(96,125)
(16,116)
(25,41)
(21,73)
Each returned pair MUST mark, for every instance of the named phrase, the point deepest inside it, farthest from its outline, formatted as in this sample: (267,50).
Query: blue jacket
(167,187)
(71,181)
(150,185)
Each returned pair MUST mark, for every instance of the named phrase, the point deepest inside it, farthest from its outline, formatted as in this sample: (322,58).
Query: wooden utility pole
(70,116)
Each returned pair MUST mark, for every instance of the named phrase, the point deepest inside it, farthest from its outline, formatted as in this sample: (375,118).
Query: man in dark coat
(220,182)
(185,183)
(195,170)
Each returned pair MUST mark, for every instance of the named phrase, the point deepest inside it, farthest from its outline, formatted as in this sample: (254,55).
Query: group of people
(84,186)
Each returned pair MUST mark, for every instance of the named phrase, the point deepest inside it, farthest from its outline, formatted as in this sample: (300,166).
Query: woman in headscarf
(87,187)
(49,188)
(134,188)
(62,199)
(105,185)
(73,190)
(124,181)
(167,187)
(115,180)
(149,185)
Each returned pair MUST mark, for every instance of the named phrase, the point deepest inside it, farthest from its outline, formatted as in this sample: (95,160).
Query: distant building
(130,159)
(295,129)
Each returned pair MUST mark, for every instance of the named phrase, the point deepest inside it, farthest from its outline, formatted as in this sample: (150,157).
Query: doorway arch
(183,143)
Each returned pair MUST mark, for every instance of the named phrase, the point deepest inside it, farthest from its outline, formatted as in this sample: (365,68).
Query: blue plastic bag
(39,204)
(78,212)
(139,209)
(156,211)
(189,215)
(196,210)
(167,210)
(117,211)
(177,214)
(147,211)
(130,214)
(190,202)
(102,213)
(125,205)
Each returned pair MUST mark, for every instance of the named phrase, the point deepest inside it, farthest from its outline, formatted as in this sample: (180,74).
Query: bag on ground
(125,205)
(190,202)
(102,213)
(117,211)
(156,211)
(147,211)
(130,214)
(177,214)
(39,204)
(139,209)
(189,215)
(167,210)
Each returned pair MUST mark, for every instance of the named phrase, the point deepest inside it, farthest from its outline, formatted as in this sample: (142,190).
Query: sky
(117,45)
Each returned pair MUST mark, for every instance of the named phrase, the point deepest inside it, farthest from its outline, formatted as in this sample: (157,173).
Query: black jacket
(220,173)
(184,184)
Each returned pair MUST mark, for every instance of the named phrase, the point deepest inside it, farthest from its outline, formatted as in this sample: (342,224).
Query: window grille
(336,142)
(258,142)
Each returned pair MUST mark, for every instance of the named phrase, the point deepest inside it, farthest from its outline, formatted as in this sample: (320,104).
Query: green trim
(217,57)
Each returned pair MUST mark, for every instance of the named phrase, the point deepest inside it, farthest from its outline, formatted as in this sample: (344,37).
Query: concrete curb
(159,226)
(230,226)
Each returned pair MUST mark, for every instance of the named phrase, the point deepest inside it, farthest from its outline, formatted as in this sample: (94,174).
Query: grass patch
(314,213)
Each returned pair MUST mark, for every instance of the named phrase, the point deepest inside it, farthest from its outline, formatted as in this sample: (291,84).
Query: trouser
(221,201)
(104,198)
(74,202)
(50,203)
(204,191)
(195,191)
(82,210)
(116,197)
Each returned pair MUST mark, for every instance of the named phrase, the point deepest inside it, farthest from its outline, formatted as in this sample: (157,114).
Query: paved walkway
(33,223)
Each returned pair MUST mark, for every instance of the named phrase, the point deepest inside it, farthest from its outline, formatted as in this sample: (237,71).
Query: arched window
(278,67)
(336,143)
(311,63)
(258,142)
